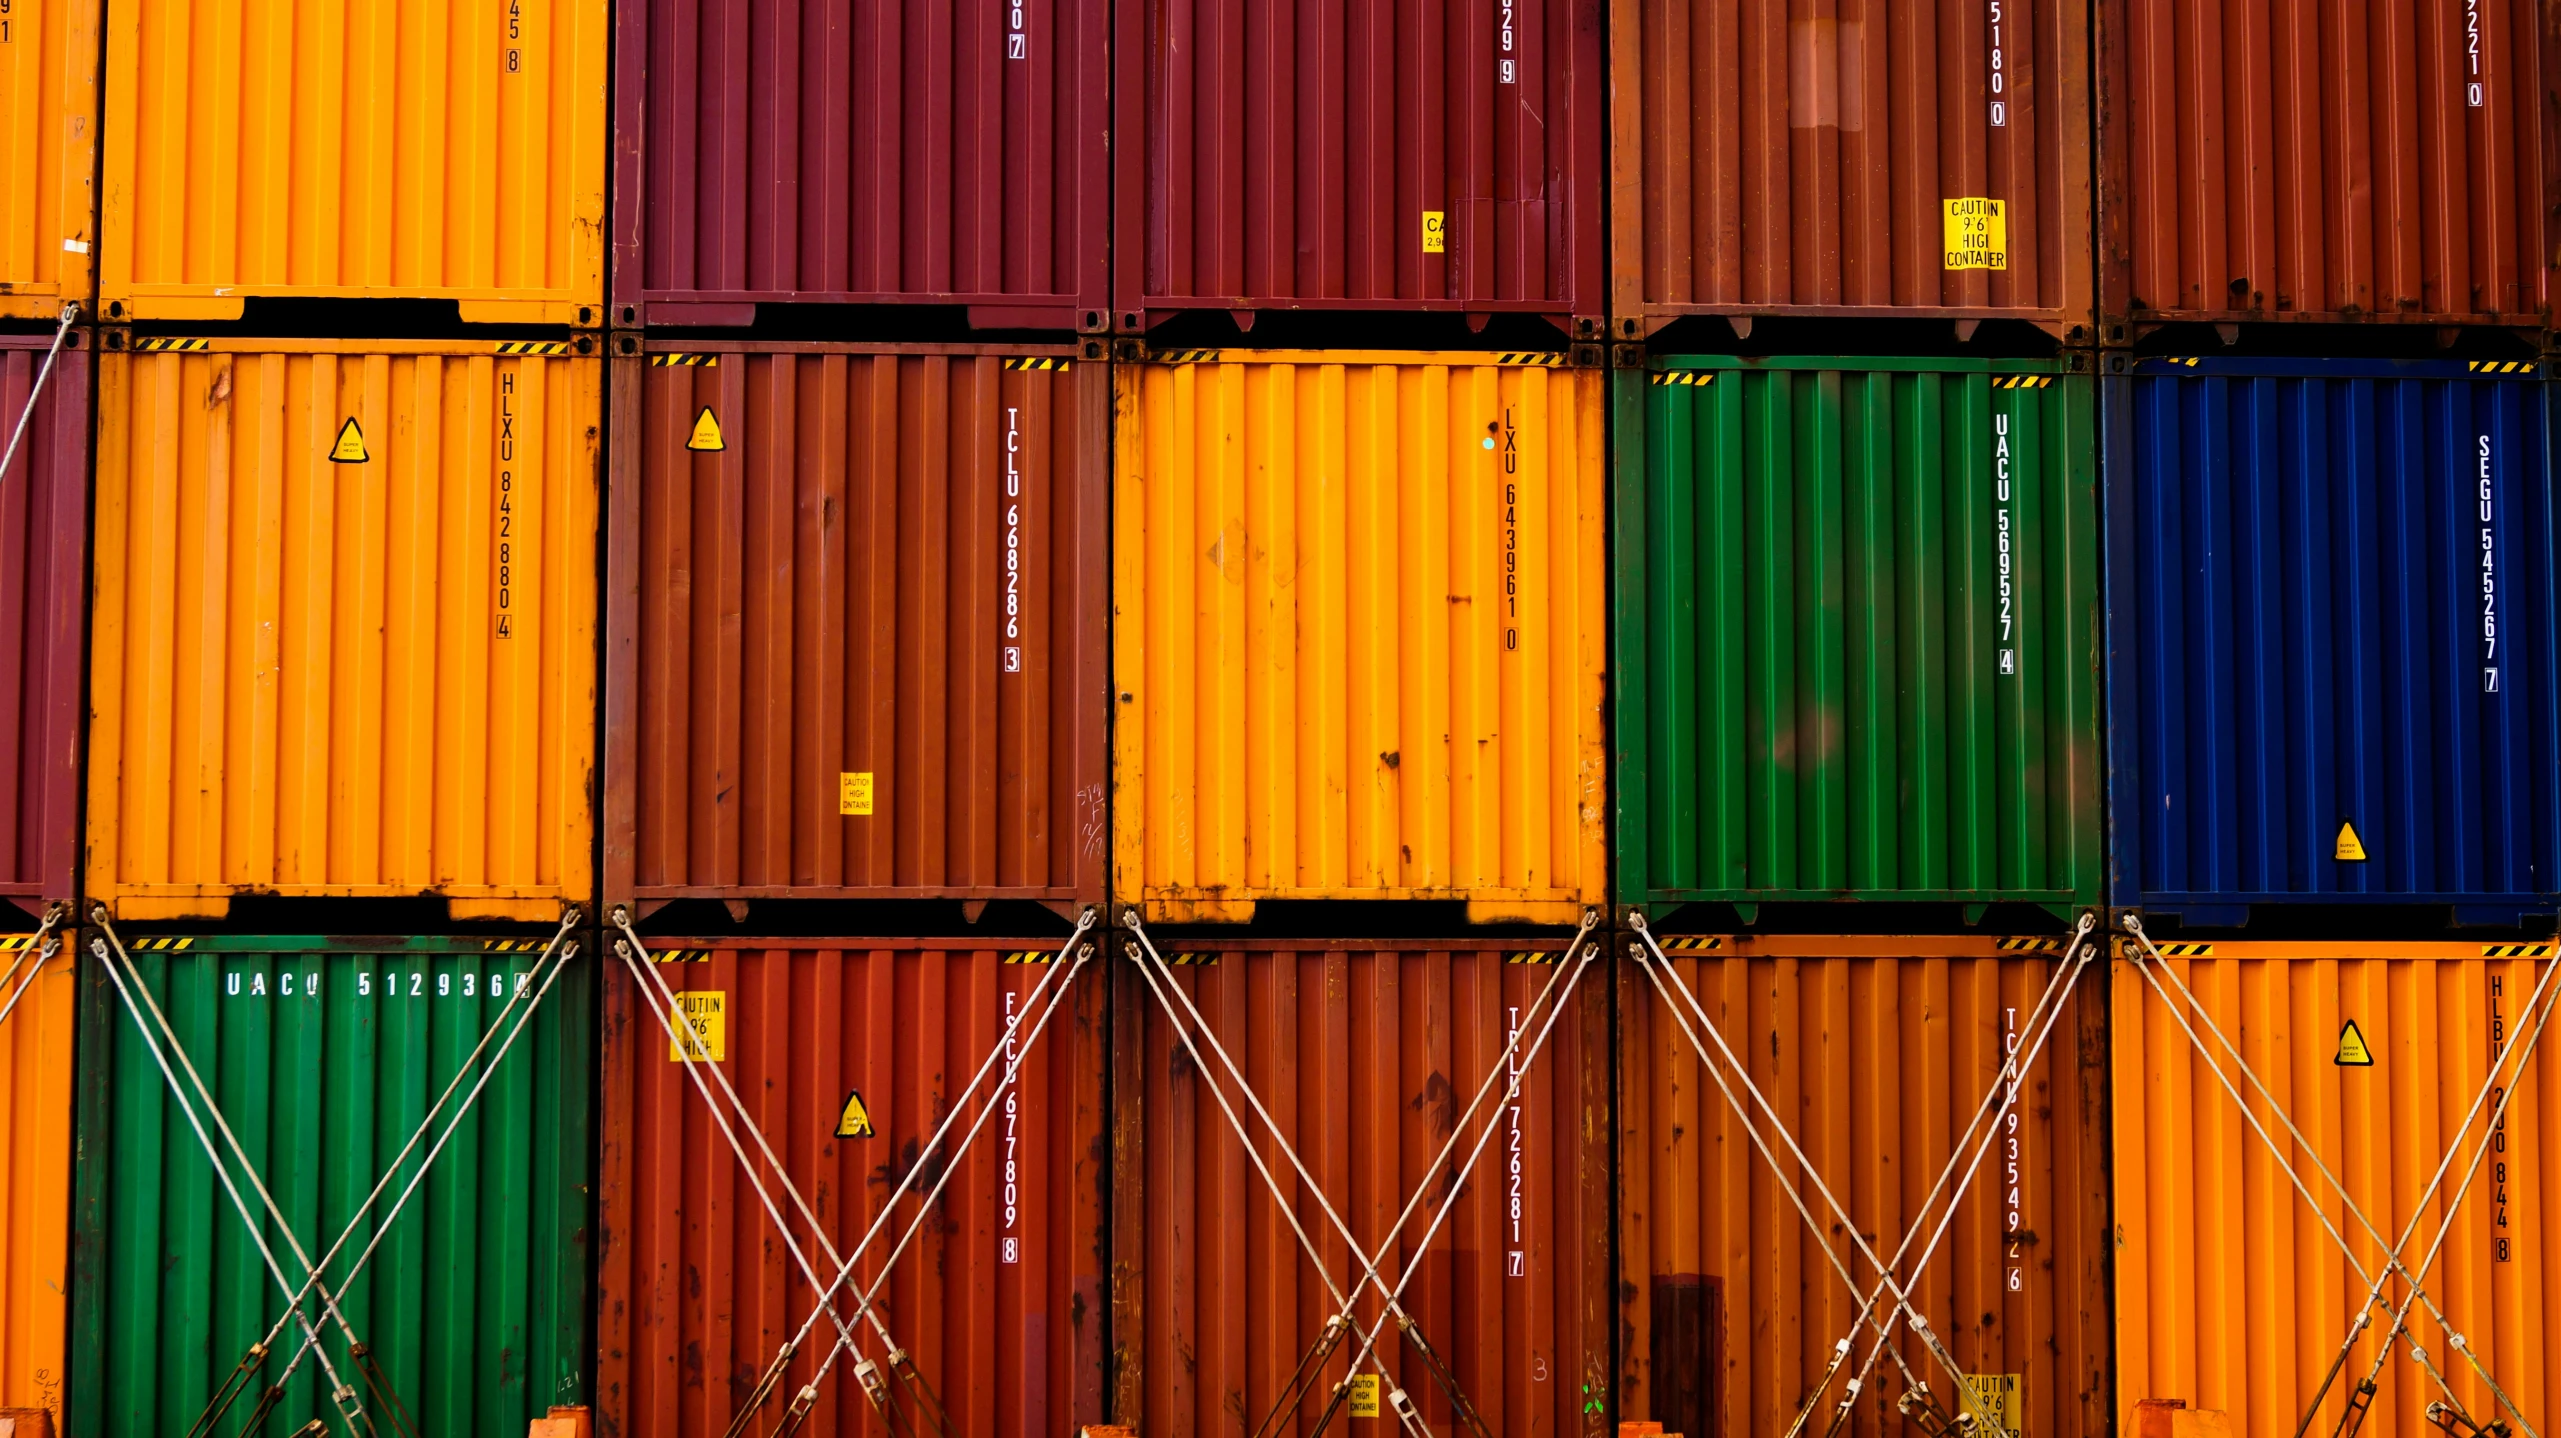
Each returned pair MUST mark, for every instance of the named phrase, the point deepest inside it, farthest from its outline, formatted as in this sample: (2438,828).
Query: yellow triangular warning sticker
(855,1121)
(2353,1053)
(350,448)
(2351,848)
(706,435)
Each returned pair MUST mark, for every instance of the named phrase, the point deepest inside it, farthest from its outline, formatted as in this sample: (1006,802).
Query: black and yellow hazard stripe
(1035,362)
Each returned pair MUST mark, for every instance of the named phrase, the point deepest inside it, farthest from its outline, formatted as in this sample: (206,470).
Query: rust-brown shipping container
(877,151)
(1406,154)
(44,534)
(1925,159)
(856,623)
(1368,1056)
(1878,1053)
(2390,161)
(850,1054)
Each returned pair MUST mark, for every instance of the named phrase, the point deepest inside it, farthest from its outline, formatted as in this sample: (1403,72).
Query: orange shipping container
(35,1144)
(2231,1291)
(48,198)
(344,628)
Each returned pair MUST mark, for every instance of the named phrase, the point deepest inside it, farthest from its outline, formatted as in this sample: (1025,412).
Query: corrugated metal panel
(364,677)
(1368,1055)
(474,1306)
(2331,606)
(2230,1292)
(48,193)
(1857,631)
(1771,161)
(44,533)
(1358,633)
(35,1199)
(2265,160)
(371,150)
(927,152)
(1413,155)
(893,569)
(999,1301)
(1880,1050)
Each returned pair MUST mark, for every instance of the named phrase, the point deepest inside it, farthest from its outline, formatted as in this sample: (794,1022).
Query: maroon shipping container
(1926,159)
(44,552)
(864,151)
(998,1301)
(2352,160)
(1368,1056)
(856,623)
(1400,155)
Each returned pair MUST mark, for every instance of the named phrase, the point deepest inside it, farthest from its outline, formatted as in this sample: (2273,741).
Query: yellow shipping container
(48,209)
(374,148)
(2231,1293)
(35,1200)
(344,630)
(1357,638)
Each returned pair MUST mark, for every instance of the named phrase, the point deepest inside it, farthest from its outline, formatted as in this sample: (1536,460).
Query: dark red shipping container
(855,623)
(2348,160)
(44,554)
(1368,1055)
(998,1301)
(1318,154)
(862,151)
(1770,161)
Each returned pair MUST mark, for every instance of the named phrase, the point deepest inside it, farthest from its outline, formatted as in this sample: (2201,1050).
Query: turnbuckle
(2458,1424)
(1922,1407)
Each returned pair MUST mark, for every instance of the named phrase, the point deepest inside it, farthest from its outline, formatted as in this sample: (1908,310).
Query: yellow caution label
(853,794)
(855,1121)
(2353,1054)
(2351,849)
(1998,1393)
(1435,233)
(350,448)
(1364,1395)
(705,1013)
(1978,235)
(706,435)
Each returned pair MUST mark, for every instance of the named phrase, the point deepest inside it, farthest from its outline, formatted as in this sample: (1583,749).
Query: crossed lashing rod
(162,1041)
(1194,1031)
(2447,1413)
(1691,1016)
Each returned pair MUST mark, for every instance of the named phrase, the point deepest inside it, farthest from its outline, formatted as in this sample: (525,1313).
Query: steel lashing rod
(2162,980)
(70,314)
(1037,1015)
(1312,1362)
(41,946)
(554,958)
(137,1000)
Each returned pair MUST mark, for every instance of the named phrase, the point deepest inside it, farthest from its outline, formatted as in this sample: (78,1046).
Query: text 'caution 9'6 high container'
(877,152)
(2334,661)
(1357,644)
(343,640)
(35,1143)
(381,150)
(1857,631)
(852,1056)
(311,1065)
(2373,1120)
(48,171)
(44,541)
(1915,160)
(857,623)
(1883,1058)
(1374,1083)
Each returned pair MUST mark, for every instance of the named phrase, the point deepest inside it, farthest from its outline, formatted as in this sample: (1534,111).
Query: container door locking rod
(30,958)
(2156,971)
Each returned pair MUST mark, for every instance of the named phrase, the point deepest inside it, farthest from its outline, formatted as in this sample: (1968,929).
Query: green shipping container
(324,1056)
(1857,613)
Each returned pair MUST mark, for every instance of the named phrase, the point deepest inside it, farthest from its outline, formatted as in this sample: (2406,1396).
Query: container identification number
(506,503)
(2501,1243)
(2489,574)
(515,33)
(1011,1246)
(1506,69)
(2007,588)
(2014,1262)
(290,985)
(2000,72)
(1510,431)
(2473,94)
(9,21)
(1017,39)
(1516,1253)
(1013,648)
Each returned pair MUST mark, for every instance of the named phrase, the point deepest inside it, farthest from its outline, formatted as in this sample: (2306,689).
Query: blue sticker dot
(1489,441)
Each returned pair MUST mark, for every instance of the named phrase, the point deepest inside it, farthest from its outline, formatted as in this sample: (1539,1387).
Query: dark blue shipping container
(2331,632)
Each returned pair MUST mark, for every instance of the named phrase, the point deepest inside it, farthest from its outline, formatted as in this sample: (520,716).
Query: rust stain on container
(1878,1053)
(857,629)
(999,1299)
(1369,1055)
(2267,160)
(44,532)
(35,1203)
(1767,160)
(344,618)
(48,171)
(1410,154)
(878,152)
(2231,1293)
